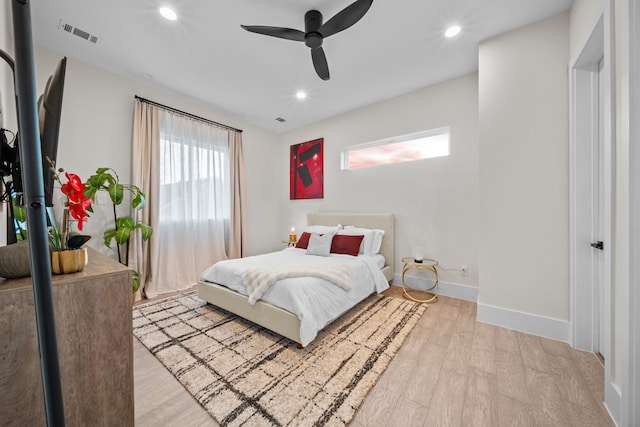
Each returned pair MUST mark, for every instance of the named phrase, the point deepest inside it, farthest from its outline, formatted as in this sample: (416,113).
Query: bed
(299,323)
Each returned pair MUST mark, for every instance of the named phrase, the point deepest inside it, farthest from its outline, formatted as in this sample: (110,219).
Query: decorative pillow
(303,241)
(372,238)
(344,244)
(319,244)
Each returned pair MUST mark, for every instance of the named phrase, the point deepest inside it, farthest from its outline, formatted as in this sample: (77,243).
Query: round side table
(426,264)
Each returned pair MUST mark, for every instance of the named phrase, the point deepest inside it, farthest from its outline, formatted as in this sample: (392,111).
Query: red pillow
(348,245)
(303,241)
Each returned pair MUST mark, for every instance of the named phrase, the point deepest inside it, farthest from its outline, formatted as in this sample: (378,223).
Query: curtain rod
(184,113)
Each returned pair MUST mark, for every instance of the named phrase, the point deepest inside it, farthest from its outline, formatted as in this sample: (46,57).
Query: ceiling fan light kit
(315,31)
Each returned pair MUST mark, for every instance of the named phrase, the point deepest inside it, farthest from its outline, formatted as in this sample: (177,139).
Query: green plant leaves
(139,201)
(116,192)
(122,235)
(106,179)
(135,281)
(108,236)
(147,230)
(124,227)
(123,230)
(55,239)
(19,213)
(90,191)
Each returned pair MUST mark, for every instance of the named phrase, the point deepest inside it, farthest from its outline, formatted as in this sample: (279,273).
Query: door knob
(598,245)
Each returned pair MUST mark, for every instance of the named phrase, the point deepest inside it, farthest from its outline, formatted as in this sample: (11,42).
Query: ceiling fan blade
(282,33)
(345,18)
(320,63)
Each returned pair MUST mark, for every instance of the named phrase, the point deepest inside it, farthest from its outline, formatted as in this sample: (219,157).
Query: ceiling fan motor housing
(312,23)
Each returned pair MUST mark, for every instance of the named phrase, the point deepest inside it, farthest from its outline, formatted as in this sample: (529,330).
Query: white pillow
(320,245)
(322,229)
(372,238)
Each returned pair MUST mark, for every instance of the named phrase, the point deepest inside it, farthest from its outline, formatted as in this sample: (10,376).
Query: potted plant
(67,253)
(107,179)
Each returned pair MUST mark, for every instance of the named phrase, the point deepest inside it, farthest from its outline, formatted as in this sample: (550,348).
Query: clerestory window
(404,148)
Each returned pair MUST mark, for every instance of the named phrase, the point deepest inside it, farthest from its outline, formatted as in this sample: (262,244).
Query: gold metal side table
(426,264)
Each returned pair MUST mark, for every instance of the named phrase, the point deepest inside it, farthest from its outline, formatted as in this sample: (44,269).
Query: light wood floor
(451,371)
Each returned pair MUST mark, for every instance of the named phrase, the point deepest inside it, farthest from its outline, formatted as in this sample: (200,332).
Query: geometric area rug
(244,374)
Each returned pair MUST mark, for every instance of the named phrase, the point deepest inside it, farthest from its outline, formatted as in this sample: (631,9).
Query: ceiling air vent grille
(78,32)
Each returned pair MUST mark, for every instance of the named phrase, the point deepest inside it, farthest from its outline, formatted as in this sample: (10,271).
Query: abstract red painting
(306,176)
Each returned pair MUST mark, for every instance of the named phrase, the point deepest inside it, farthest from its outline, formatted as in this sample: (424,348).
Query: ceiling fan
(315,31)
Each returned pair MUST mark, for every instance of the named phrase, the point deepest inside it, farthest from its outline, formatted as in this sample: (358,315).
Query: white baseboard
(613,402)
(453,290)
(520,321)
(525,322)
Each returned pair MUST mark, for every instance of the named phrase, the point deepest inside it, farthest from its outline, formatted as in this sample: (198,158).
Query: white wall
(96,129)
(435,201)
(524,172)
(583,17)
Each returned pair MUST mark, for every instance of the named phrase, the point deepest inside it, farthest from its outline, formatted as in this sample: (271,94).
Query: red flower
(79,214)
(77,205)
(73,188)
(78,202)
(78,210)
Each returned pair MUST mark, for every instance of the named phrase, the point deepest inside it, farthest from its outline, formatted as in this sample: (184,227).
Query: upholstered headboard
(382,221)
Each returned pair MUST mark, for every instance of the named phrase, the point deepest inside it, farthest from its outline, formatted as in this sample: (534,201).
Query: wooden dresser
(94,331)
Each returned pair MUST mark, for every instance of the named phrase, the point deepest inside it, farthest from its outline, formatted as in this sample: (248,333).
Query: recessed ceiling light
(168,13)
(301,95)
(452,31)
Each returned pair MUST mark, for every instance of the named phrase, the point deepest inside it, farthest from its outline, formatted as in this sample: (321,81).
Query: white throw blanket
(258,280)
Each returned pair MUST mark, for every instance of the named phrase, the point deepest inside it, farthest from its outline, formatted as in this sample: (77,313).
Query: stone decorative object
(14,260)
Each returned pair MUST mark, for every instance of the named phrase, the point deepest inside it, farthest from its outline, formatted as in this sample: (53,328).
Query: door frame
(581,290)
(583,76)
(630,406)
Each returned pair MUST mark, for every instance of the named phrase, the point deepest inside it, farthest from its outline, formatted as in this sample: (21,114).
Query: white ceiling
(396,48)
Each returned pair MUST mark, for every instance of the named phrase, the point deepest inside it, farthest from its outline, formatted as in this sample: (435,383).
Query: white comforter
(315,301)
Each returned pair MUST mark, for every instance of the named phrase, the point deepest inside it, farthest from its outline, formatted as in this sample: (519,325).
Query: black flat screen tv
(49,115)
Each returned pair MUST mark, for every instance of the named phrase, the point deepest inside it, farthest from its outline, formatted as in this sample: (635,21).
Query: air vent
(280,119)
(83,34)
(77,32)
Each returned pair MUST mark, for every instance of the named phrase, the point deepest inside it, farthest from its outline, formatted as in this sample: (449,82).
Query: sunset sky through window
(396,152)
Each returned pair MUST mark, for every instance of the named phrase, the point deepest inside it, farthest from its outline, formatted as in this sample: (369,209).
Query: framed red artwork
(306,176)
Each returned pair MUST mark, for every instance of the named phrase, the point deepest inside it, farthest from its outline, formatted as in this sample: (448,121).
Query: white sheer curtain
(194,205)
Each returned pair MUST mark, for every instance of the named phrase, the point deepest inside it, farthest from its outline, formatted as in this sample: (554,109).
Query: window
(194,176)
(194,171)
(405,148)
(194,199)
